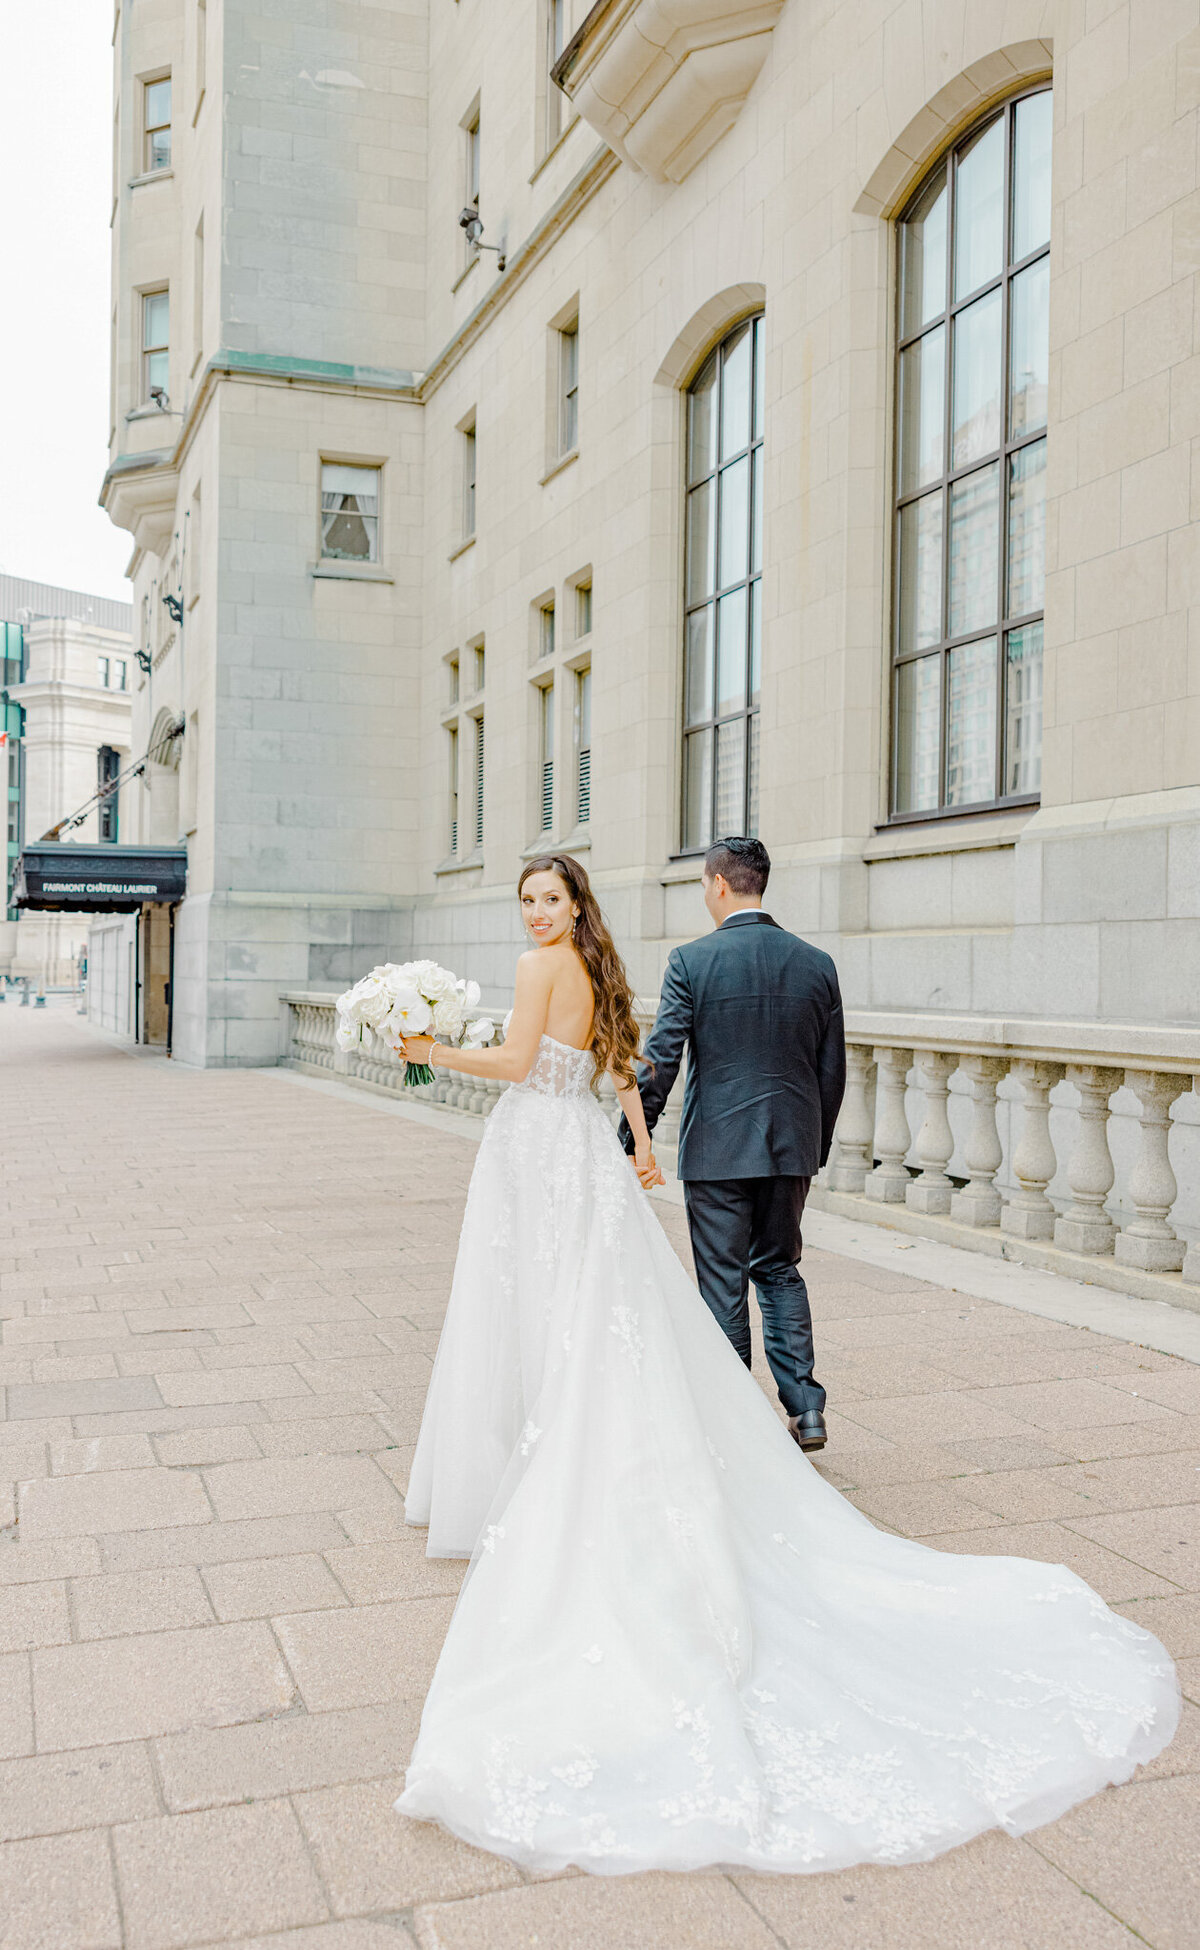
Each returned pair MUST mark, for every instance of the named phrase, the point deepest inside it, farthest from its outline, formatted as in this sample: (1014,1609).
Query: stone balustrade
(993,1133)
(998,1134)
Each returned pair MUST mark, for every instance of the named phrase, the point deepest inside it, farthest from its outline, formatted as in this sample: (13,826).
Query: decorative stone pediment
(663,80)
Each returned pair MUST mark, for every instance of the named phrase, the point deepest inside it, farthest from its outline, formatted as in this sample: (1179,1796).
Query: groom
(761,1013)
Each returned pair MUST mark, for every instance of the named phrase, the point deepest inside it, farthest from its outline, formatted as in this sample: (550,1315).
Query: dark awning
(98,879)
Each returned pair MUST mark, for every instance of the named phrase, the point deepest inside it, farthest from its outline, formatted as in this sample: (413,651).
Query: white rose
(438,984)
(448,1018)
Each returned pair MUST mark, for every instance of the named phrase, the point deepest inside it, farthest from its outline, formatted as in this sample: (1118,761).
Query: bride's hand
(414,1049)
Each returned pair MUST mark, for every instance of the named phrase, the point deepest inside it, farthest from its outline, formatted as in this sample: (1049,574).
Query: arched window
(971,470)
(723,591)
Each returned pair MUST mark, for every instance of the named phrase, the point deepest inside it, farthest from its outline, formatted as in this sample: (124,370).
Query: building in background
(798,436)
(65,714)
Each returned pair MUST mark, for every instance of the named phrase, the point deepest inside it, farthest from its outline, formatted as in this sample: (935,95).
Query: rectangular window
(108,766)
(568,388)
(349,512)
(156,331)
(468,497)
(453,669)
(546,778)
(117,671)
(471,163)
(479,780)
(156,121)
(583,746)
(583,609)
(453,742)
(197,294)
(556,40)
(102,672)
(546,630)
(480,665)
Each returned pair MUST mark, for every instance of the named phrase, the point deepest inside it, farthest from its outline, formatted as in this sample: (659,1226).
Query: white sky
(56,168)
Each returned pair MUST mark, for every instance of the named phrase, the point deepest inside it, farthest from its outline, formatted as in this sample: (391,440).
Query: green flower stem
(416,1074)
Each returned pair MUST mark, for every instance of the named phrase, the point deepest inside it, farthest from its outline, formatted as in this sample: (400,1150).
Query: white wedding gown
(677,1645)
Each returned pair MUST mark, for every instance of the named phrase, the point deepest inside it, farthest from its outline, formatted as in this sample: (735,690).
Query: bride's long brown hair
(614,1031)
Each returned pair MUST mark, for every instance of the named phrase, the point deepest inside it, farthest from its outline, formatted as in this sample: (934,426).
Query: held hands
(647,1167)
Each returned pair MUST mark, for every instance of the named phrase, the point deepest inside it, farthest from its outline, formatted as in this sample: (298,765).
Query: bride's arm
(510,1062)
(630,1099)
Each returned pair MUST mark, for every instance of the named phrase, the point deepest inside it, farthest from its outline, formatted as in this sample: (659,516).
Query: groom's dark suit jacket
(763,1015)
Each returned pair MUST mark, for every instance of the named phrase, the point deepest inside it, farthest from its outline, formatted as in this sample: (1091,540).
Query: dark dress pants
(747,1229)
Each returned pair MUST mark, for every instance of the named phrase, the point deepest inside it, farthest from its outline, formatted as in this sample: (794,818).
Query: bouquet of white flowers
(411,998)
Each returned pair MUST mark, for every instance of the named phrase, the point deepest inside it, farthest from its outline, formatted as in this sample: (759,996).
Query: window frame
(750,712)
(568,388)
(546,707)
(374,533)
(582,709)
(156,350)
(470,481)
(1002,625)
(151,129)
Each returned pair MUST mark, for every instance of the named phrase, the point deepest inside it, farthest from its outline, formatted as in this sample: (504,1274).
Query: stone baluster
(1149,1240)
(854,1138)
(979,1203)
(935,1140)
(889,1181)
(1029,1213)
(1191,1258)
(1085,1226)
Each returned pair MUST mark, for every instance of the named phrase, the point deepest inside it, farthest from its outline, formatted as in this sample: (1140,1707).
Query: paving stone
(1058,1405)
(57,1893)
(399,1569)
(1174,1620)
(196,1446)
(328,1435)
(994,1894)
(82,1397)
(1165,1541)
(373,1652)
(73,1367)
(207,1766)
(230,1385)
(222,1543)
(188,1879)
(262,1587)
(350,1934)
(64,1557)
(83,1456)
(921,1510)
(1115,1577)
(1134,1850)
(370,1858)
(280,1486)
(33,1614)
(16,1705)
(139,1601)
(157,1682)
(47,1794)
(119,1499)
(646,1912)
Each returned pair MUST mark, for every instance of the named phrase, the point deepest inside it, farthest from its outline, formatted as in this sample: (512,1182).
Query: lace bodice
(559,1070)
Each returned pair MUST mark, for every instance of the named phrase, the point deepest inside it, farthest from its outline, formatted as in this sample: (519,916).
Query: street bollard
(25,991)
(39,1000)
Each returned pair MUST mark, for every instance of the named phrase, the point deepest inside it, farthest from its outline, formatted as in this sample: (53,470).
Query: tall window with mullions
(722,654)
(971,470)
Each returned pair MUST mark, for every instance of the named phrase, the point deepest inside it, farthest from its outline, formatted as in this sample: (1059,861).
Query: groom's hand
(649,1171)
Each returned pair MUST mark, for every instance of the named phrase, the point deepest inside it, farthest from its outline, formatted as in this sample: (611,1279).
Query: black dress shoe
(808,1429)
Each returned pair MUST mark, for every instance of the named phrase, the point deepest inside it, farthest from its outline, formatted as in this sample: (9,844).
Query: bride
(677,1645)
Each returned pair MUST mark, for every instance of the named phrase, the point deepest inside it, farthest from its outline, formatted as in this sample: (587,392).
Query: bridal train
(677,1645)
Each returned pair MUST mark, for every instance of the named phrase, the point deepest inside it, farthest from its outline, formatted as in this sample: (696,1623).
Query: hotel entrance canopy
(60,877)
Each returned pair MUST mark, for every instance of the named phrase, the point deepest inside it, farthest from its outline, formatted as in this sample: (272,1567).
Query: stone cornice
(663,80)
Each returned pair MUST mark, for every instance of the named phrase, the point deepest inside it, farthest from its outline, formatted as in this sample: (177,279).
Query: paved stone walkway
(220,1296)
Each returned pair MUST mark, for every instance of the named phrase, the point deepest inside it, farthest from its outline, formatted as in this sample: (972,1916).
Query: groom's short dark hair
(744,863)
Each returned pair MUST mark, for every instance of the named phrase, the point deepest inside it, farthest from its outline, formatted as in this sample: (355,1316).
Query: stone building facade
(807,439)
(65,707)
